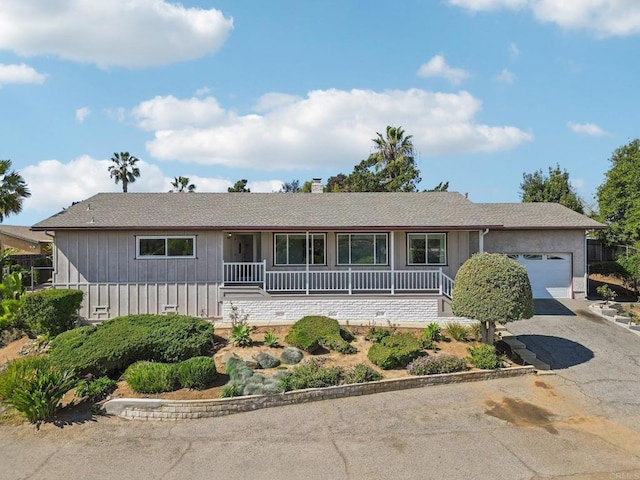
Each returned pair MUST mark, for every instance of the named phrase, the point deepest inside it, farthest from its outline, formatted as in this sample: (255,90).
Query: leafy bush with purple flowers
(430,365)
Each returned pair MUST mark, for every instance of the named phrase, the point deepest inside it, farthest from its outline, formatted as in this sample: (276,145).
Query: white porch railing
(348,281)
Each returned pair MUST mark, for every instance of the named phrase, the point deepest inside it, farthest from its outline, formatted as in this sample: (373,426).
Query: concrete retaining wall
(156,409)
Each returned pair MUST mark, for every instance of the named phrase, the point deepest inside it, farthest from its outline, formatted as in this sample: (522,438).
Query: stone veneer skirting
(361,309)
(159,409)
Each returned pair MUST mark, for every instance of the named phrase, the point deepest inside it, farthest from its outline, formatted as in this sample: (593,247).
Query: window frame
(375,248)
(310,246)
(166,239)
(425,236)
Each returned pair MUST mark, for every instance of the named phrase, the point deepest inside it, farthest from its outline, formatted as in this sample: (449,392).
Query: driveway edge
(161,409)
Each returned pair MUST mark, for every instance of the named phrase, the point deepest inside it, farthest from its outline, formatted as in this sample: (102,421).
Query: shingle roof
(537,215)
(287,211)
(25,233)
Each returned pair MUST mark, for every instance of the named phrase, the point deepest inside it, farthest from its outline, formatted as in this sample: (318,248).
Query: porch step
(231,292)
(520,349)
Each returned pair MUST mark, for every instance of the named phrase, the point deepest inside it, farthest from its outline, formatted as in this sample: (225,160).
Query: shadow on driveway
(556,351)
(551,306)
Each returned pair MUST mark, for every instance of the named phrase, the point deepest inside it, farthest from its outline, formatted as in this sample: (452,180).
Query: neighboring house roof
(256,211)
(25,233)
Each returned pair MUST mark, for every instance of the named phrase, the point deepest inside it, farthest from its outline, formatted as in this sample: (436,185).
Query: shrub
(394,350)
(485,357)
(95,389)
(376,334)
(115,344)
(606,293)
(361,373)
(230,390)
(474,331)
(266,360)
(197,373)
(433,332)
(16,371)
(240,335)
(309,333)
(243,380)
(291,355)
(151,377)
(35,388)
(51,312)
(311,375)
(430,365)
(270,339)
(457,331)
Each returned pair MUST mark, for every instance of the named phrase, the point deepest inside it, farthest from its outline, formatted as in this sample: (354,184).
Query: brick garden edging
(160,409)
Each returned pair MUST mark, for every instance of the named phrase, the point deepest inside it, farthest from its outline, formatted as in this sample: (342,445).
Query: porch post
(350,282)
(264,274)
(393,262)
(306,276)
(440,280)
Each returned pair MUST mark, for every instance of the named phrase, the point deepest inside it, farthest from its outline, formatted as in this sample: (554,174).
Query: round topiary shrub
(266,360)
(197,373)
(291,355)
(311,332)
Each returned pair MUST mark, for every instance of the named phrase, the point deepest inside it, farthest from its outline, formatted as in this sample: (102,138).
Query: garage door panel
(549,273)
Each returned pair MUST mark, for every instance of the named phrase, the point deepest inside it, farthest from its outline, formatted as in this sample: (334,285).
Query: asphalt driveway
(581,422)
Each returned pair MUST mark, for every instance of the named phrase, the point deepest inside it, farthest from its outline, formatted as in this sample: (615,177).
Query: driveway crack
(345,462)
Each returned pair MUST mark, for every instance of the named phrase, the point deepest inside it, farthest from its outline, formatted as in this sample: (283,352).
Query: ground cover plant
(485,357)
(430,365)
(153,377)
(395,350)
(312,332)
(112,346)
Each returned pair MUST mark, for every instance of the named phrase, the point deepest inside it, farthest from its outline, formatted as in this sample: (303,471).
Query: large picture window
(427,248)
(362,249)
(166,247)
(291,249)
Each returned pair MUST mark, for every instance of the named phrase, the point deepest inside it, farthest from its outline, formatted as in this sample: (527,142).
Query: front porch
(346,281)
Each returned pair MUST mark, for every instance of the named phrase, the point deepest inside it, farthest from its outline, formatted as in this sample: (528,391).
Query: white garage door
(549,273)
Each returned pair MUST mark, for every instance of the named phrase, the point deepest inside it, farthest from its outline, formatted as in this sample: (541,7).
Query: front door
(242,248)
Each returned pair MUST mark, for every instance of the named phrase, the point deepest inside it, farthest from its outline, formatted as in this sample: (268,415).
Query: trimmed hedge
(51,312)
(197,373)
(112,346)
(395,350)
(312,332)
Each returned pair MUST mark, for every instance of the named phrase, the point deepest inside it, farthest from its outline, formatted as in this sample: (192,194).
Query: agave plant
(270,339)
(240,335)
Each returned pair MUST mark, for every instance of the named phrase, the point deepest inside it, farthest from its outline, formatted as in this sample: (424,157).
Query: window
(290,249)
(427,248)
(362,249)
(166,247)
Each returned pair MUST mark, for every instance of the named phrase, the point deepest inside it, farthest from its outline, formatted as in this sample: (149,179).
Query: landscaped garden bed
(180,358)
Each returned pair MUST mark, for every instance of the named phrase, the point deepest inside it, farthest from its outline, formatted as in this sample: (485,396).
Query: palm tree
(394,148)
(13,190)
(181,184)
(124,169)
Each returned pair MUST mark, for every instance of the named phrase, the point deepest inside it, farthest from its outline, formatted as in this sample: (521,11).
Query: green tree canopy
(492,288)
(181,185)
(13,190)
(124,169)
(619,196)
(291,187)
(239,186)
(538,187)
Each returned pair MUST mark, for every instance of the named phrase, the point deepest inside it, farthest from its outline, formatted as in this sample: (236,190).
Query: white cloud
(332,128)
(590,129)
(437,67)
(266,186)
(112,32)
(514,52)
(578,183)
(506,76)
(19,73)
(271,101)
(603,17)
(202,91)
(82,113)
(161,113)
(55,185)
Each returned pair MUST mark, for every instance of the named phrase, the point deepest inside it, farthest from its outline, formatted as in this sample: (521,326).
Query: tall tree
(619,196)
(181,185)
(538,187)
(239,186)
(124,169)
(291,187)
(441,187)
(13,190)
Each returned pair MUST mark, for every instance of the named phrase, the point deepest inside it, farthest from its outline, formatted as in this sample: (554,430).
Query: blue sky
(281,90)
